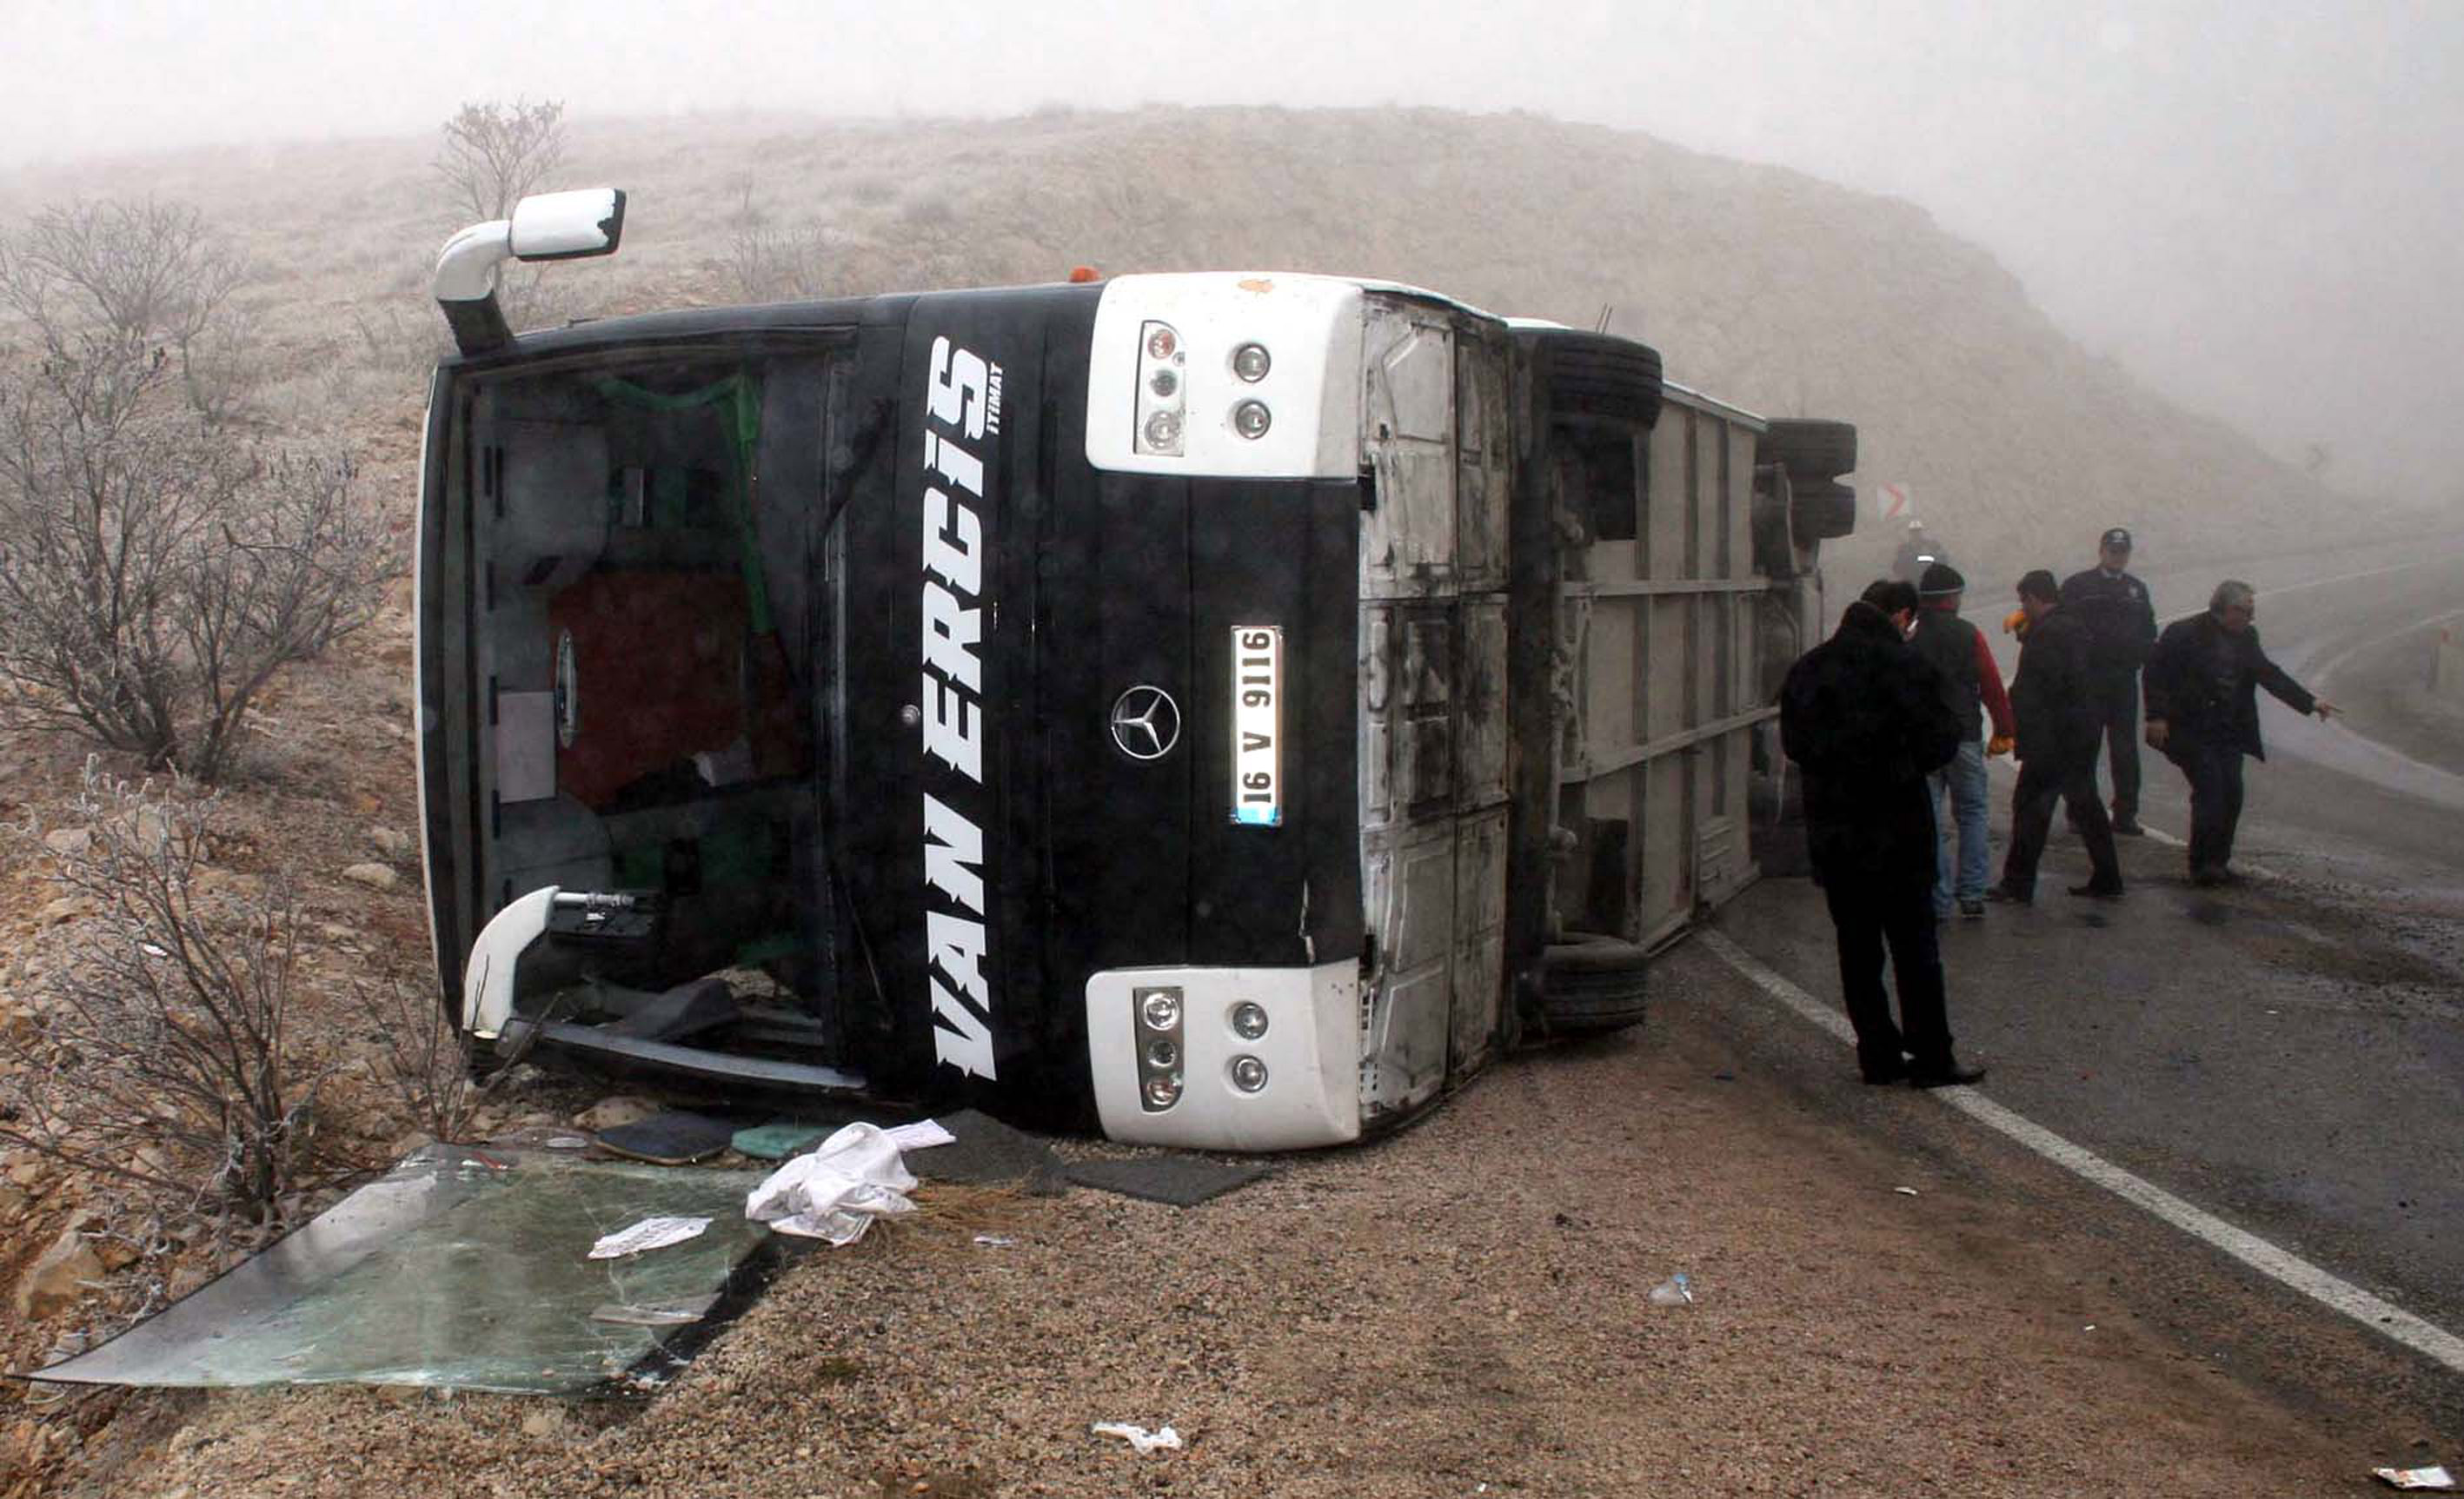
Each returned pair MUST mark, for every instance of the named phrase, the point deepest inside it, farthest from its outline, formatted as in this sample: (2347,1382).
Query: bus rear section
(1204,707)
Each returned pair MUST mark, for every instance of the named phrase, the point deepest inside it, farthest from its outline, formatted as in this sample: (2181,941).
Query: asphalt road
(2288,1055)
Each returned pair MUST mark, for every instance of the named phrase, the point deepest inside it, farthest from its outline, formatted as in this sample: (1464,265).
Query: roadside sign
(1893,500)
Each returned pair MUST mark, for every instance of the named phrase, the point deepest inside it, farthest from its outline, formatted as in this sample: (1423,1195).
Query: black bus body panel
(975,598)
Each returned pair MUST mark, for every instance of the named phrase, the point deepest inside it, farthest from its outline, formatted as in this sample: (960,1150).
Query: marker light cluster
(1159,1052)
(1162,414)
(1159,1017)
(1163,400)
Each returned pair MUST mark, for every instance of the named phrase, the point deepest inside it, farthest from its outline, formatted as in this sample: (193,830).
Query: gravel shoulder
(1462,1304)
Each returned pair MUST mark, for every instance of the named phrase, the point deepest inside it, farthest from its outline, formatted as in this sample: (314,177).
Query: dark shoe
(1883,1077)
(2012,895)
(2096,891)
(1952,1076)
(1972,910)
(2208,879)
(2128,828)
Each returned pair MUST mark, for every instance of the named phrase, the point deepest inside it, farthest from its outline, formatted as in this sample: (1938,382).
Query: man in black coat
(1863,718)
(2203,684)
(2121,623)
(2053,700)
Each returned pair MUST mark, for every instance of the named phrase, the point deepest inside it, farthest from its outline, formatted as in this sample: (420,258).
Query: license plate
(1258,726)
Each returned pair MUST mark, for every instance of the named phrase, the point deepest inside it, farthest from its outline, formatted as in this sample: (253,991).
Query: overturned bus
(1218,710)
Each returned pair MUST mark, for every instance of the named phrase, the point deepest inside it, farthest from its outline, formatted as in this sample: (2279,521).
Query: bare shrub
(493,153)
(161,1055)
(769,262)
(779,263)
(155,571)
(147,274)
(420,1056)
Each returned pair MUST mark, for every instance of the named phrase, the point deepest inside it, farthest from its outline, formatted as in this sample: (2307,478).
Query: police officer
(2121,623)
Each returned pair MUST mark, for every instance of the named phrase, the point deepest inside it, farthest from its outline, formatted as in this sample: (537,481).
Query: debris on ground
(779,1139)
(1674,1292)
(650,1233)
(1146,1442)
(673,1138)
(1180,1180)
(836,1191)
(2432,1478)
(444,1273)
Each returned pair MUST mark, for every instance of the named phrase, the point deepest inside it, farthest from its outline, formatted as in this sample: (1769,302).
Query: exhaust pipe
(546,226)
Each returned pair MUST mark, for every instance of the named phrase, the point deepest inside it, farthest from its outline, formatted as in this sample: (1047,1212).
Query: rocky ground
(1462,1308)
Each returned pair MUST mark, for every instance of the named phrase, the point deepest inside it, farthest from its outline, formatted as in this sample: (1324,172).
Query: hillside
(1785,293)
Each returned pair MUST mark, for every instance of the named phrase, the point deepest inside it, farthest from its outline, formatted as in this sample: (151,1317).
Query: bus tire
(1821,512)
(1597,374)
(1591,985)
(1808,449)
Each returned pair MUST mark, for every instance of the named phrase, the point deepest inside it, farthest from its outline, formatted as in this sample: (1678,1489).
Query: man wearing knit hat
(1972,688)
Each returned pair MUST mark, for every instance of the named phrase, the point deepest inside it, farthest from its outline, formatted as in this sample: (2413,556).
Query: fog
(2249,205)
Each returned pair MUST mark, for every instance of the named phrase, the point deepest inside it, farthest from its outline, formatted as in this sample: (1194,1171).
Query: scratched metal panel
(1423,711)
(1479,935)
(1377,807)
(1481,692)
(1484,462)
(1407,539)
(1410,884)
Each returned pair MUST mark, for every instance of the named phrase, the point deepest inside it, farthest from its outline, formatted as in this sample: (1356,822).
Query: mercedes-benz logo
(1146,722)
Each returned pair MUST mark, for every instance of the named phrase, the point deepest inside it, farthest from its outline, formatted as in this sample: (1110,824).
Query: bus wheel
(1808,449)
(1590,985)
(1821,512)
(1598,375)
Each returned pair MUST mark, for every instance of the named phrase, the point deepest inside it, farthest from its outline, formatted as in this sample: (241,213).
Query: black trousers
(1870,914)
(2043,782)
(2117,709)
(2215,772)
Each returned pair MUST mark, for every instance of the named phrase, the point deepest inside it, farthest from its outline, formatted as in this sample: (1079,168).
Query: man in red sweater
(1971,684)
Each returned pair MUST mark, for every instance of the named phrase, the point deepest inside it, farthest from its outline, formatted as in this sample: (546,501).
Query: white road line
(2375,1313)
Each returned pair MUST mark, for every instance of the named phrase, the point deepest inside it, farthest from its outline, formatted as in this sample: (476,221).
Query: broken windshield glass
(458,1268)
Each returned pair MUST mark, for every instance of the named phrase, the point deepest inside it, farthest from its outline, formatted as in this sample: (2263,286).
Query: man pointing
(2203,684)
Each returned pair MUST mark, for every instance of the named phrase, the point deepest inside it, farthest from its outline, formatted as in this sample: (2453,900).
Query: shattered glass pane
(448,1271)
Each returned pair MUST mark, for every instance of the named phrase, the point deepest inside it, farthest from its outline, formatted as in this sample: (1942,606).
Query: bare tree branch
(155,569)
(162,1056)
(494,154)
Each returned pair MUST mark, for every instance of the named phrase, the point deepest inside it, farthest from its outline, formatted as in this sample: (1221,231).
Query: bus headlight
(1251,362)
(1162,1092)
(1248,1073)
(1160,1009)
(1248,1020)
(1251,419)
